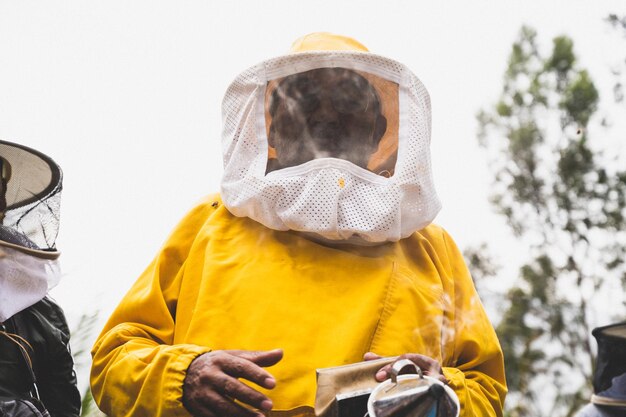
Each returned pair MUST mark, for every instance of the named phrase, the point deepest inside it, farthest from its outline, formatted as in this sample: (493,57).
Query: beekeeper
(36,368)
(318,252)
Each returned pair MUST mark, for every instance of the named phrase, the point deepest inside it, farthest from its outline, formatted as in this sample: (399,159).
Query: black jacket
(45,328)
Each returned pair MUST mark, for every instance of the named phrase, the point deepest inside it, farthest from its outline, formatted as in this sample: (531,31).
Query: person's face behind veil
(324,113)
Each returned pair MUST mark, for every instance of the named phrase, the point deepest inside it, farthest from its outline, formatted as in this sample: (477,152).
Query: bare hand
(211,384)
(428,366)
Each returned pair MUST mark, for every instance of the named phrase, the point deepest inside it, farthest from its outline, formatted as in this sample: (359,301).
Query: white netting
(332,198)
(30,197)
(24,280)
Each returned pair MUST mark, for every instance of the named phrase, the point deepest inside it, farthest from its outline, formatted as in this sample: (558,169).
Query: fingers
(211,385)
(215,405)
(260,357)
(428,365)
(370,356)
(248,365)
(235,389)
(241,368)
(383,373)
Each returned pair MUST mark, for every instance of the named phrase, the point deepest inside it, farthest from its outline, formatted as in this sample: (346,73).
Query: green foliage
(562,60)
(579,100)
(482,265)
(81,340)
(567,200)
(88,406)
(619,23)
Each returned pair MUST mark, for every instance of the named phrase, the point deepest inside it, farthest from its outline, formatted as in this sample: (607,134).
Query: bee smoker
(352,391)
(412,395)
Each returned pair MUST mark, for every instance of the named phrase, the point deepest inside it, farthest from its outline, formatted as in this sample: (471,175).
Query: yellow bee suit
(223,282)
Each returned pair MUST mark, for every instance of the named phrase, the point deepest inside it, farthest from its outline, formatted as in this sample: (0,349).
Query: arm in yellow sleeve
(137,370)
(476,368)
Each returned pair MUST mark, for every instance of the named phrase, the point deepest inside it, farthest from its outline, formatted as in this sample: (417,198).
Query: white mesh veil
(30,199)
(30,195)
(329,197)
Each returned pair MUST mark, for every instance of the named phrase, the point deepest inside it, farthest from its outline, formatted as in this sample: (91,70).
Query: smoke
(465,315)
(324,113)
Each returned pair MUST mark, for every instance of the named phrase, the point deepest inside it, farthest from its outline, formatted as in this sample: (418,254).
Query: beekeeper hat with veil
(30,196)
(332,141)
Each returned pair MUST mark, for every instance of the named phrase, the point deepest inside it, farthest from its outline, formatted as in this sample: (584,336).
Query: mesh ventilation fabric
(32,193)
(332,198)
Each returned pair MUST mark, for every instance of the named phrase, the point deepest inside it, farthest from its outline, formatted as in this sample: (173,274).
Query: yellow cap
(324,41)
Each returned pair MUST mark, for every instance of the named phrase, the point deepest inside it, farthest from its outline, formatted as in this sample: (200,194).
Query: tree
(565,197)
(618,23)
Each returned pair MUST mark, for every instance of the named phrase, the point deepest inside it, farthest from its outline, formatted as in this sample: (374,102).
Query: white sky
(126,97)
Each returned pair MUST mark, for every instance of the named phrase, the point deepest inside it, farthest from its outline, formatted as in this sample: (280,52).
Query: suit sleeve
(57,380)
(137,370)
(475,369)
